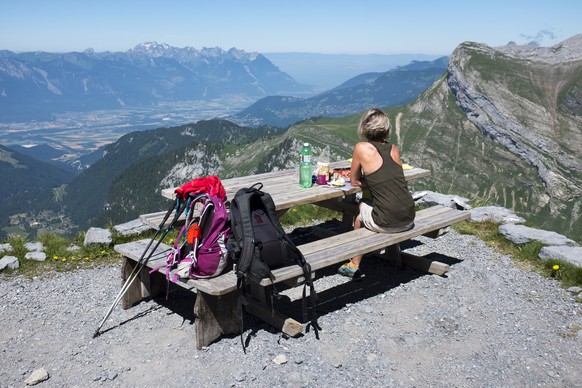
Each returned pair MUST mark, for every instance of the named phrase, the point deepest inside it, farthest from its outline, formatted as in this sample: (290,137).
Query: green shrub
(307,214)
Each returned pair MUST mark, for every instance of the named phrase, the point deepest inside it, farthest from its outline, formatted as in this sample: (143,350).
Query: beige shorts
(368,221)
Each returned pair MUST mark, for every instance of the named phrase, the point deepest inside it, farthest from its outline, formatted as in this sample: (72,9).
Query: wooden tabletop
(283,186)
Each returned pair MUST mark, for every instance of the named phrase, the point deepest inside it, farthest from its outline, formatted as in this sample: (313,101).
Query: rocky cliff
(517,140)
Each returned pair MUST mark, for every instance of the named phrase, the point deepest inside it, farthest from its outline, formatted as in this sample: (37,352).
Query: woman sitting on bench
(376,166)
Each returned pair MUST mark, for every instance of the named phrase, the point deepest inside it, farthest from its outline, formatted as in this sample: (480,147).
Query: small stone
(132,228)
(521,234)
(430,198)
(496,214)
(38,376)
(10,262)
(572,255)
(280,359)
(5,248)
(36,256)
(97,236)
(34,246)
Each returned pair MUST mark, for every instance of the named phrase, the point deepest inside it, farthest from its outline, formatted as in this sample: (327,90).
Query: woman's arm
(356,168)
(395,154)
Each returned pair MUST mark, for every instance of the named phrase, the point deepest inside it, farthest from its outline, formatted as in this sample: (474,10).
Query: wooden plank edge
(280,322)
(424,264)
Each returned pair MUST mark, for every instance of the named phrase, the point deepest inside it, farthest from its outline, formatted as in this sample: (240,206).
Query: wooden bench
(216,308)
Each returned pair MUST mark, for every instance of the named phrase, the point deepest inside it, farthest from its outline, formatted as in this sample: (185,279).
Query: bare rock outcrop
(535,130)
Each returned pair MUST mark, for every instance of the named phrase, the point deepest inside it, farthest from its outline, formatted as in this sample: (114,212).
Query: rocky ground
(487,323)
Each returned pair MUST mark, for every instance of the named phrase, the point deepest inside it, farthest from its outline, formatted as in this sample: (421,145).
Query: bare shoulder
(363,146)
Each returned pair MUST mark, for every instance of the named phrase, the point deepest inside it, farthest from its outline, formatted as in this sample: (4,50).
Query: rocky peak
(152,49)
(566,51)
(511,94)
(190,54)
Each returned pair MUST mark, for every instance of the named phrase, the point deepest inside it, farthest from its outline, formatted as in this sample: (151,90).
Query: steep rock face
(505,126)
(516,101)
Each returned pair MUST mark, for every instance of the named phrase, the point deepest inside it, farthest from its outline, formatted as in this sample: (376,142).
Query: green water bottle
(305,168)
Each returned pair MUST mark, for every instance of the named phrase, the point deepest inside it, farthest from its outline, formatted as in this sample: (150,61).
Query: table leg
(260,305)
(394,254)
(349,214)
(274,318)
(216,316)
(400,259)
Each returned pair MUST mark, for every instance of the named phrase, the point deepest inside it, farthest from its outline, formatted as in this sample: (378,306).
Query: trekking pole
(143,259)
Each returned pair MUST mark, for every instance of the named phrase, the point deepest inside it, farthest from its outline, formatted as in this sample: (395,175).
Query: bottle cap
(306,144)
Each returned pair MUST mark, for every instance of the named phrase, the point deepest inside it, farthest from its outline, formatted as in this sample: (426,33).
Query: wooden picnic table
(217,298)
(283,186)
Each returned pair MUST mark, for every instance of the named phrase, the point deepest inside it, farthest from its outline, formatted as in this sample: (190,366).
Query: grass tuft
(307,214)
(526,255)
(64,254)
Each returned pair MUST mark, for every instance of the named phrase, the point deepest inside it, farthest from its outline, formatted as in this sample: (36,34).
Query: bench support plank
(279,321)
(144,286)
(216,316)
(424,264)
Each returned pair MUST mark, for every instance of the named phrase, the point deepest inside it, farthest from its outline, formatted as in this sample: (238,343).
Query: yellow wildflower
(556,267)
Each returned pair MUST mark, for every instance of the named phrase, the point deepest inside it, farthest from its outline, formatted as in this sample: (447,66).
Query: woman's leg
(357,259)
(352,268)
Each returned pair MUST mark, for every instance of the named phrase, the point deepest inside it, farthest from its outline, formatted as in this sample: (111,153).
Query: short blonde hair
(374,125)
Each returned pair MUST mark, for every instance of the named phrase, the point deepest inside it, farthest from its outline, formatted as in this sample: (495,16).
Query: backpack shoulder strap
(242,200)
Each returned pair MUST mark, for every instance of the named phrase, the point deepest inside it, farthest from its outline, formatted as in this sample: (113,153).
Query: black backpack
(258,243)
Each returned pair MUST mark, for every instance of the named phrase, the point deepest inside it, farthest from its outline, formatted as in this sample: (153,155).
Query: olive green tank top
(393,206)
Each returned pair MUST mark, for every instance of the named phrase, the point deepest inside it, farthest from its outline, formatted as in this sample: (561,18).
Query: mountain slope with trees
(140,160)
(29,187)
(391,88)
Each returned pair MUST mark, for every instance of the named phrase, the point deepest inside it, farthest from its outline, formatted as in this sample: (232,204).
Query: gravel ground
(485,324)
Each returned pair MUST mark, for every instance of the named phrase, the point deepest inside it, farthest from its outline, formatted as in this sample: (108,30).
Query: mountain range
(396,86)
(499,125)
(35,85)
(325,71)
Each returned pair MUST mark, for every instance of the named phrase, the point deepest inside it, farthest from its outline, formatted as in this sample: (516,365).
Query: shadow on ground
(334,292)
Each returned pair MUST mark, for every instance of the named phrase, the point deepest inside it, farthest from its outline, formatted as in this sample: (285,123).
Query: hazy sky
(334,26)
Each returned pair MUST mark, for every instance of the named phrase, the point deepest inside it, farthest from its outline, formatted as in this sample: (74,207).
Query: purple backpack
(199,251)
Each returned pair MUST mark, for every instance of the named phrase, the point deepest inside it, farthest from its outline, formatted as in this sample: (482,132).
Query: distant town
(87,131)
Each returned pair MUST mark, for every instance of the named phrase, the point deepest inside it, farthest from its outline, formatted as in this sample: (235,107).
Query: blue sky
(332,27)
